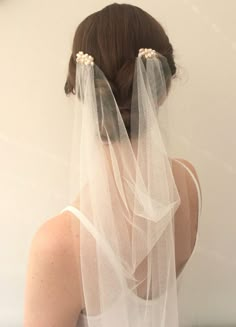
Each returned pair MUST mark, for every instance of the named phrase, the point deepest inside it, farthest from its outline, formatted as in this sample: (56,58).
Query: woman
(112,256)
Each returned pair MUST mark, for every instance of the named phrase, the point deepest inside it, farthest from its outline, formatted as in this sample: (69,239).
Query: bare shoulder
(188,184)
(55,242)
(178,167)
(55,231)
(186,216)
(52,293)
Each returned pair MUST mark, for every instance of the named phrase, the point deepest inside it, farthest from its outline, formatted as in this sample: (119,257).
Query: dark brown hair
(113,36)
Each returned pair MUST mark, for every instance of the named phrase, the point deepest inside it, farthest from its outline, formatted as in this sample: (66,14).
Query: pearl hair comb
(85,58)
(148,53)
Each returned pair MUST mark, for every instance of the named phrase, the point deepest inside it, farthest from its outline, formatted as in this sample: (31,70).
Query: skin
(186,216)
(53,289)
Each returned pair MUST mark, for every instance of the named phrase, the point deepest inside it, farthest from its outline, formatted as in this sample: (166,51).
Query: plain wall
(35,133)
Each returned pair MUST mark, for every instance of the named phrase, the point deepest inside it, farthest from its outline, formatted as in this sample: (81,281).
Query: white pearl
(84,58)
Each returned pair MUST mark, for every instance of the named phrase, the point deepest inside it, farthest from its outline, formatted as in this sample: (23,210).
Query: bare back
(185,221)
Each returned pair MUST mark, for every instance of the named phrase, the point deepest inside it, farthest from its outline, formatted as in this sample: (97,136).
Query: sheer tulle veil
(124,188)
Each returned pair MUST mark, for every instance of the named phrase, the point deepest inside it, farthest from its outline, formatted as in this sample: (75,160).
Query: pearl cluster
(148,53)
(84,58)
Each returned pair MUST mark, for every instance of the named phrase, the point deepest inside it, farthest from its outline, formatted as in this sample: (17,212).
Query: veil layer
(123,186)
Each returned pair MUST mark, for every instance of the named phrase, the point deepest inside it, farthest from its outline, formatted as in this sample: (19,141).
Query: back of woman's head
(113,36)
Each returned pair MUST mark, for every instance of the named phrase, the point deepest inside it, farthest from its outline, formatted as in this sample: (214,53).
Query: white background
(35,130)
